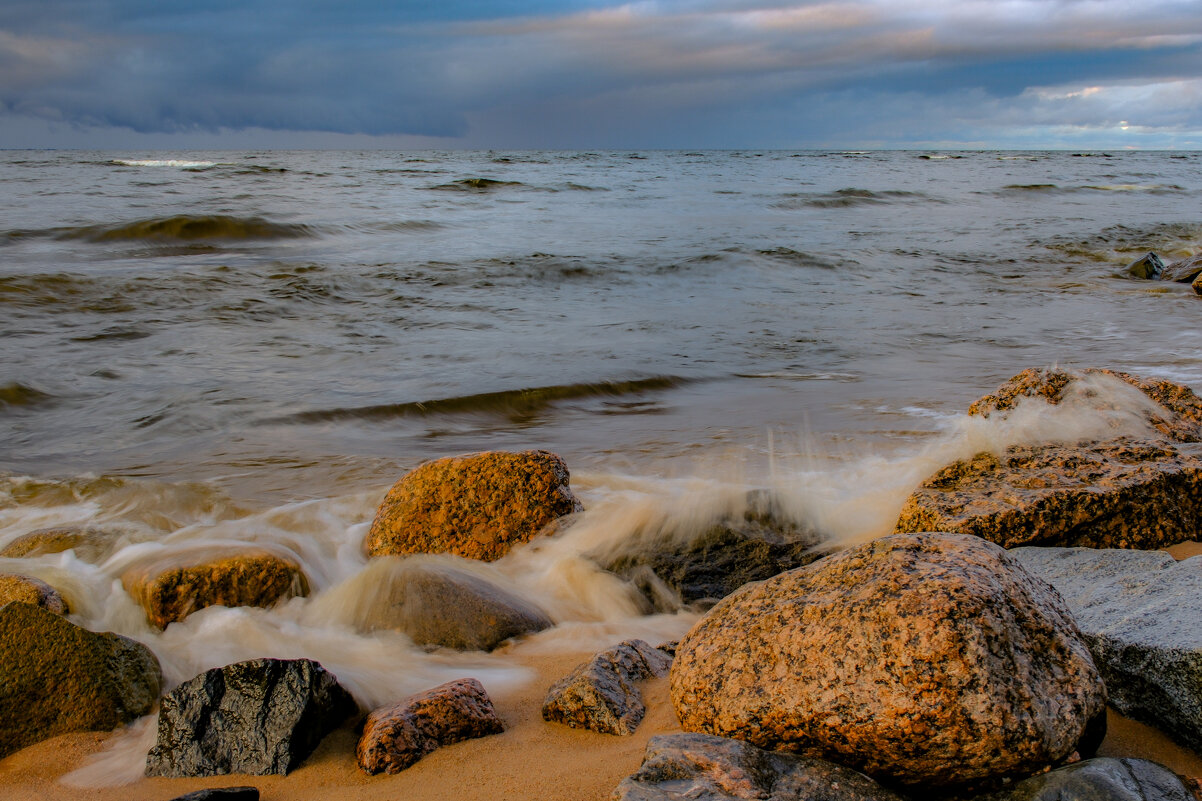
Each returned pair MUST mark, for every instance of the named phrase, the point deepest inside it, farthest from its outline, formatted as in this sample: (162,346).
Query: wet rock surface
(602,694)
(437,604)
(1183,270)
(478,506)
(56,677)
(170,593)
(396,737)
(263,716)
(702,767)
(923,659)
(30,590)
(1139,614)
(1099,780)
(1146,267)
(90,544)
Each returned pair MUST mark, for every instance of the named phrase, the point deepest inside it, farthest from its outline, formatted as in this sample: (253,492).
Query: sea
(204,350)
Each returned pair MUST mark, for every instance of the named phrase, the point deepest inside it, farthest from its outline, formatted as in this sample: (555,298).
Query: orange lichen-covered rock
(478,506)
(922,659)
(27,589)
(171,592)
(89,544)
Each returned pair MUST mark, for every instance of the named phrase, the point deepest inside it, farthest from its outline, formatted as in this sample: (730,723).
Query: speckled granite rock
(56,677)
(438,604)
(258,717)
(171,592)
(601,694)
(1099,780)
(1183,270)
(478,506)
(1116,494)
(397,736)
(90,544)
(702,767)
(1139,613)
(920,658)
(29,590)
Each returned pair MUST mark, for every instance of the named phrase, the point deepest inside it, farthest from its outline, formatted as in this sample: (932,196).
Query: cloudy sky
(592,74)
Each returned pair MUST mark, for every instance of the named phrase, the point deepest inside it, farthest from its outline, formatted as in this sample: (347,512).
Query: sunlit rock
(89,544)
(30,590)
(602,694)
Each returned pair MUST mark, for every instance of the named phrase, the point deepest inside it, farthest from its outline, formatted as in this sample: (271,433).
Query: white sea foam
(179,163)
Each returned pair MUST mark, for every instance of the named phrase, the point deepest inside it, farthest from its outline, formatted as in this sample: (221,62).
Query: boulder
(922,659)
(1183,270)
(438,604)
(602,694)
(1138,611)
(29,590)
(90,544)
(1197,284)
(1101,780)
(478,506)
(1115,494)
(706,565)
(56,677)
(1146,267)
(222,794)
(170,592)
(395,737)
(702,767)
(258,717)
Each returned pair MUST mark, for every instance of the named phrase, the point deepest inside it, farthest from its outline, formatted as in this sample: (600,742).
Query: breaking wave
(186,227)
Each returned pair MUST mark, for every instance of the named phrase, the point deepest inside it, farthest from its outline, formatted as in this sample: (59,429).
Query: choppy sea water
(218,348)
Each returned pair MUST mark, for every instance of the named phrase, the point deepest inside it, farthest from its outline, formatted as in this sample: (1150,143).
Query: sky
(589,74)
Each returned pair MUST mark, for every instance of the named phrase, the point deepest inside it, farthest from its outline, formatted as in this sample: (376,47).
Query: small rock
(90,544)
(702,767)
(253,578)
(1146,267)
(27,589)
(257,717)
(1101,779)
(478,506)
(222,794)
(396,737)
(1138,611)
(1183,271)
(56,677)
(601,694)
(923,659)
(1197,284)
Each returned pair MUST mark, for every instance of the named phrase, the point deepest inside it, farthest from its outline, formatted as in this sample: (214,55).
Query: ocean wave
(799,258)
(848,198)
(1122,243)
(475,185)
(15,395)
(178,163)
(185,227)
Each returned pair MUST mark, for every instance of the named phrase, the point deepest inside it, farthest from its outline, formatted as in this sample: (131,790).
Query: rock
(395,737)
(1100,780)
(257,717)
(1138,611)
(1146,267)
(708,565)
(222,794)
(702,767)
(1117,494)
(1183,271)
(90,544)
(923,659)
(56,677)
(1197,284)
(478,506)
(601,694)
(438,604)
(171,592)
(29,590)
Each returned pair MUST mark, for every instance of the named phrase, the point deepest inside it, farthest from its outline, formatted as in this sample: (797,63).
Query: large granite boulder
(1183,271)
(438,603)
(259,717)
(1138,611)
(171,591)
(30,590)
(1101,779)
(478,506)
(395,737)
(702,767)
(924,659)
(56,677)
(90,544)
(602,693)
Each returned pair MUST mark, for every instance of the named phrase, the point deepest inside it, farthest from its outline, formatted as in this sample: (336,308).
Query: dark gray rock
(601,694)
(702,767)
(257,717)
(1183,271)
(1138,611)
(222,794)
(1146,267)
(1099,780)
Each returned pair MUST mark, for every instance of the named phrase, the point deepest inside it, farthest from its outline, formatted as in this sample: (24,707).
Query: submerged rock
(258,717)
(478,506)
(56,677)
(30,590)
(253,578)
(924,659)
(395,737)
(1146,267)
(1197,284)
(1184,271)
(90,544)
(1101,779)
(702,767)
(1139,613)
(602,694)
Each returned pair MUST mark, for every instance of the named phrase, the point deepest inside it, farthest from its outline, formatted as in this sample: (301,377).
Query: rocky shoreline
(930,662)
